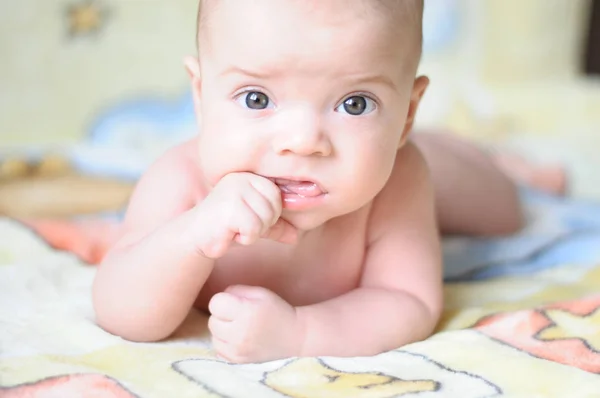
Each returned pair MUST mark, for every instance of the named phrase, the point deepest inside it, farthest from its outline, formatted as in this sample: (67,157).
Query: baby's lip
(298,186)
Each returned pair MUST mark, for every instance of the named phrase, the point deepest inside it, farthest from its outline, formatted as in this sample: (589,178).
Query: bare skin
(302,217)
(322,273)
(551,178)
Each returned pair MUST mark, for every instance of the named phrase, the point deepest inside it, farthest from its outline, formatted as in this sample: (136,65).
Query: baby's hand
(243,208)
(253,324)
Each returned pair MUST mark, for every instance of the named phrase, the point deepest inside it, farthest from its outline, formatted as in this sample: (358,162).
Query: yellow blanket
(534,336)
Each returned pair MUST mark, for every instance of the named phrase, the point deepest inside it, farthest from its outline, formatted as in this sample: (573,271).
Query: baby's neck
(307,235)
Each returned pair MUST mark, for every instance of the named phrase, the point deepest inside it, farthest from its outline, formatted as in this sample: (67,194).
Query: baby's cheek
(377,170)
(221,155)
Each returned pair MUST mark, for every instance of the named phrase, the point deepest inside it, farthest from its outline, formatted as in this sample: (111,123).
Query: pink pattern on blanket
(537,332)
(79,385)
(89,239)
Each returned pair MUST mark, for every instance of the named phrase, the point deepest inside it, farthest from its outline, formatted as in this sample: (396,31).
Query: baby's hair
(412,10)
(409,13)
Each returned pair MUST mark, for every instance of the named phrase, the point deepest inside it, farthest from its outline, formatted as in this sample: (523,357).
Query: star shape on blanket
(311,377)
(391,374)
(568,326)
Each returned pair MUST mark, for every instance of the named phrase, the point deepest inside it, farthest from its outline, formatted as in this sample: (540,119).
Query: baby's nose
(300,132)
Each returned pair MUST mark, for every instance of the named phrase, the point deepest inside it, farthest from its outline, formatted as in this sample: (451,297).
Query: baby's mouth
(303,189)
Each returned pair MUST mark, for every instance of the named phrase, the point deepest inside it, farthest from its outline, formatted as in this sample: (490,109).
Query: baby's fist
(242,207)
(253,324)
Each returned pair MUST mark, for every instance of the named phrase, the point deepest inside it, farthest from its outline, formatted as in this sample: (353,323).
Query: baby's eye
(254,100)
(357,105)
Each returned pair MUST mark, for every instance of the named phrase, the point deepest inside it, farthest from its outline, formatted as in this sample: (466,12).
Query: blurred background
(95,89)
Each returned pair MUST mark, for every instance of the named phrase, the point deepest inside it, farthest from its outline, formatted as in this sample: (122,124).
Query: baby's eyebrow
(375,79)
(233,70)
(355,80)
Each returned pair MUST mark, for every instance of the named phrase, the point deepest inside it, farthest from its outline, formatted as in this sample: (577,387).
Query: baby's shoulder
(409,172)
(171,184)
(168,188)
(177,166)
(182,157)
(407,194)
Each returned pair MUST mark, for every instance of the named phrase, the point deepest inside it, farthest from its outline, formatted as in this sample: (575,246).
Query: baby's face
(316,92)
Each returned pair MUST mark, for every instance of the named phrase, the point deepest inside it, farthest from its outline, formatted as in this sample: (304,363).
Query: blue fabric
(559,231)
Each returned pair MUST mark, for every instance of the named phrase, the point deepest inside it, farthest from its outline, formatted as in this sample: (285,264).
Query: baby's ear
(419,88)
(192,66)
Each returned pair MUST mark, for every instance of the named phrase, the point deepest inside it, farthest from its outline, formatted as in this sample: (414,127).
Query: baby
(302,217)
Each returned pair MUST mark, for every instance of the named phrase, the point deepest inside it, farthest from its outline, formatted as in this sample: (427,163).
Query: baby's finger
(283,232)
(249,227)
(245,292)
(262,207)
(226,331)
(270,191)
(226,351)
(244,239)
(225,306)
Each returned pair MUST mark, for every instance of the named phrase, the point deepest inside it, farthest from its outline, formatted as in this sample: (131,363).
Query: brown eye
(257,100)
(357,105)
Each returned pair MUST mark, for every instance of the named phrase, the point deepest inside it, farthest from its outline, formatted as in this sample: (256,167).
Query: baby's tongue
(300,188)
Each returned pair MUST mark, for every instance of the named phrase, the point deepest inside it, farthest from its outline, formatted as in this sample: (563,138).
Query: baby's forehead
(409,7)
(405,15)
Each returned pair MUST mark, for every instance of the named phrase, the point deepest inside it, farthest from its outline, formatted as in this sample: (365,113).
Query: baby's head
(404,15)
(307,89)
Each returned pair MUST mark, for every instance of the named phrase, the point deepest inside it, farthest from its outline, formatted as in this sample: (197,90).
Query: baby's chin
(305,221)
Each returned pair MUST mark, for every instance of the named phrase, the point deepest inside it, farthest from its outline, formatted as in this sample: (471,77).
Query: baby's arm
(174,229)
(149,280)
(399,299)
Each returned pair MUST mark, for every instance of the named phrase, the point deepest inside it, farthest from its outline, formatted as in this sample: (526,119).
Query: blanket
(518,334)
(558,231)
